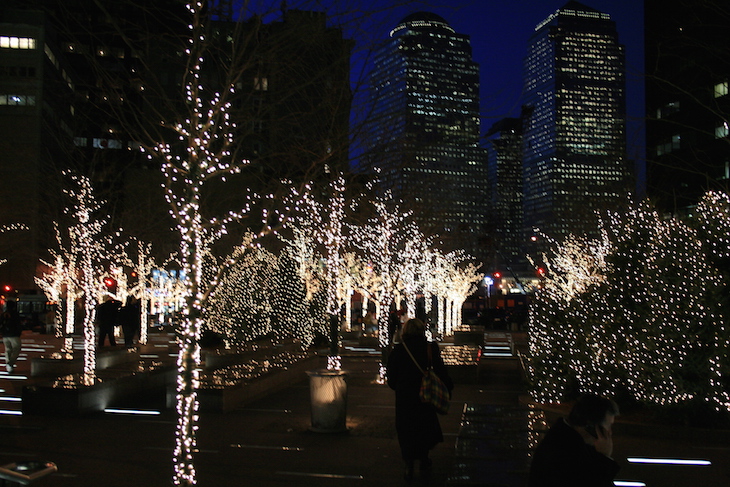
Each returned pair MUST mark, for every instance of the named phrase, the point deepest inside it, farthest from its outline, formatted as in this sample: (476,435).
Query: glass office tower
(574,139)
(423,133)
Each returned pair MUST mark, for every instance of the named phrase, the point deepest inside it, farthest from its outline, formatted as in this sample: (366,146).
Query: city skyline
(423,134)
(499,34)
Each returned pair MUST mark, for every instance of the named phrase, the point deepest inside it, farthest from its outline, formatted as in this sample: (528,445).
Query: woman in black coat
(416,423)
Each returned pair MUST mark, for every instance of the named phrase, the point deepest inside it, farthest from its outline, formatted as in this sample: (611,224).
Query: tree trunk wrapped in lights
(84,253)
(202,153)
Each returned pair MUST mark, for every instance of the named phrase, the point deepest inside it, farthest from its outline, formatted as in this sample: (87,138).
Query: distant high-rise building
(575,129)
(423,134)
(84,85)
(505,191)
(687,71)
(36,113)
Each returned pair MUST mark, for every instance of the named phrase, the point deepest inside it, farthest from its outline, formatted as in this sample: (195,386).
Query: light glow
(132,412)
(668,461)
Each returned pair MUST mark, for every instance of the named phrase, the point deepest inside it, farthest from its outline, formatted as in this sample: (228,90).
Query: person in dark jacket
(576,452)
(129,318)
(107,317)
(416,423)
(11,328)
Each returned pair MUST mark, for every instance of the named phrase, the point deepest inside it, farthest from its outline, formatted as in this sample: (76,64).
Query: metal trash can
(328,392)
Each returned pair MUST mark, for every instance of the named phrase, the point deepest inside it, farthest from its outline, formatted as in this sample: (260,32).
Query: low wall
(66,396)
(65,364)
(235,396)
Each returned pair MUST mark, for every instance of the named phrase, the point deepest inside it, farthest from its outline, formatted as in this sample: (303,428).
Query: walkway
(489,433)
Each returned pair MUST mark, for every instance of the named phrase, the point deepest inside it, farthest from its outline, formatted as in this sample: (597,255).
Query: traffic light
(497,275)
(7,288)
(110,284)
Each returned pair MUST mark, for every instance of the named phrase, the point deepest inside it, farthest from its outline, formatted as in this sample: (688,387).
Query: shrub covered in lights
(299,304)
(265,295)
(240,310)
(640,313)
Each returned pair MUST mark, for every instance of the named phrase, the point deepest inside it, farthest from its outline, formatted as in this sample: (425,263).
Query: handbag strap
(428,348)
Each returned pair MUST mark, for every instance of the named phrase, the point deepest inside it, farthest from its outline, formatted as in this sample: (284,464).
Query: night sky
(499,32)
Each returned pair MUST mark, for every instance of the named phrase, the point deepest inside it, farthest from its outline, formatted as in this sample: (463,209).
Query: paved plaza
(489,433)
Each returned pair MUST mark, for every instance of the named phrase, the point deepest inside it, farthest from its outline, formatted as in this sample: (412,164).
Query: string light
(202,154)
(641,311)
(402,259)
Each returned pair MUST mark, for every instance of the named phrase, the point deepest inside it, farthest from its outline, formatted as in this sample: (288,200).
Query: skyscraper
(84,85)
(504,162)
(423,134)
(574,138)
(36,93)
(687,101)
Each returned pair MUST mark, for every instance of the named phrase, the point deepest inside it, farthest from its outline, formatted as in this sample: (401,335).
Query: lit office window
(721,89)
(8,42)
(722,130)
(106,144)
(261,83)
(28,100)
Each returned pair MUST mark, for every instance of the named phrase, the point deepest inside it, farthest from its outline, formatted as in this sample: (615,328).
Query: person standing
(129,318)
(11,329)
(416,422)
(107,316)
(576,451)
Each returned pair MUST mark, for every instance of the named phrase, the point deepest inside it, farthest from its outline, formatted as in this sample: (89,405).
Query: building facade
(687,67)
(574,137)
(504,163)
(423,133)
(36,114)
(84,85)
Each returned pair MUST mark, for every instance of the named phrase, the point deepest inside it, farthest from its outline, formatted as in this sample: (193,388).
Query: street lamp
(488,282)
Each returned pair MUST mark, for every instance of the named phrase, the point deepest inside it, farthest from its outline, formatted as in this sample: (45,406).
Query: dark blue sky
(499,32)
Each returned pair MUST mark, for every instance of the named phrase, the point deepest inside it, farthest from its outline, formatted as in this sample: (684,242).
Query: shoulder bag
(433,390)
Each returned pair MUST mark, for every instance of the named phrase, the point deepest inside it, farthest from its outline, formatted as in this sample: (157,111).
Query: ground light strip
(628,483)
(132,411)
(322,475)
(13,377)
(265,447)
(7,412)
(669,461)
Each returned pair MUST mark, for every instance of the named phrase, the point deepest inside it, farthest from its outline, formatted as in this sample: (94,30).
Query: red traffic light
(109,282)
(497,275)
(7,288)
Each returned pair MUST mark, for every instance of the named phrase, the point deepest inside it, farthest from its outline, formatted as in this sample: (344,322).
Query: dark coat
(107,314)
(564,459)
(416,422)
(10,324)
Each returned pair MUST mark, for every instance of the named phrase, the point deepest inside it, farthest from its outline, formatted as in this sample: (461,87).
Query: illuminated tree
(53,282)
(142,268)
(461,281)
(382,242)
(640,314)
(84,253)
(201,154)
(318,222)
(240,309)
(300,293)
